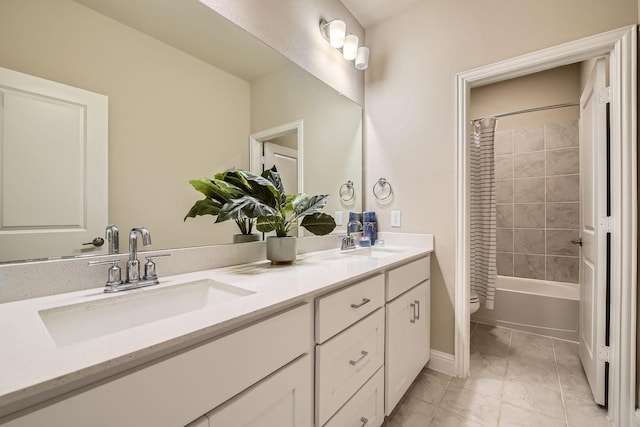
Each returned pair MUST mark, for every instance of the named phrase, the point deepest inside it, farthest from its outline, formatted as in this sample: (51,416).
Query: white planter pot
(282,250)
(243,238)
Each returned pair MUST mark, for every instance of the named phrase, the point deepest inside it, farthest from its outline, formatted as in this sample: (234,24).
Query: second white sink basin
(373,252)
(79,322)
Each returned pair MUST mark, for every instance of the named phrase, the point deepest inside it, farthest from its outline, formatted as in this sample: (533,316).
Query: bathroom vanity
(328,341)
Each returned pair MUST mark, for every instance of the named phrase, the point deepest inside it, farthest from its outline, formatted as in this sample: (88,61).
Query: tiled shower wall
(537,202)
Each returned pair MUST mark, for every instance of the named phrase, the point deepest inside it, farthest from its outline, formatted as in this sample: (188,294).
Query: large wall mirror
(186,88)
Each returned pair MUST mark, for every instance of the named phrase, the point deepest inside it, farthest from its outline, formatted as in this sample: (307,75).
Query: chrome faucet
(133,265)
(133,280)
(113,237)
(348,241)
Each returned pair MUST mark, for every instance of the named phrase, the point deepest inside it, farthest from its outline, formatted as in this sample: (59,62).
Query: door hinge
(604,95)
(606,224)
(603,353)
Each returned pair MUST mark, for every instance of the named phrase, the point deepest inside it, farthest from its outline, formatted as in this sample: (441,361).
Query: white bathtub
(537,306)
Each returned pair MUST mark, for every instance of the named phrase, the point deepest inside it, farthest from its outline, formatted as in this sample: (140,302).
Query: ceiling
(371,12)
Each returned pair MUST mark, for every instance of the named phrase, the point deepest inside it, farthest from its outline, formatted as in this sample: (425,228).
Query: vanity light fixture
(335,32)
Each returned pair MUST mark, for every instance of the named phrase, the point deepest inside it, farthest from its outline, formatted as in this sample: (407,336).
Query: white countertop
(34,368)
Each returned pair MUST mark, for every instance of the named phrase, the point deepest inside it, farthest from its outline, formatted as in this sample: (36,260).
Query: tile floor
(517,379)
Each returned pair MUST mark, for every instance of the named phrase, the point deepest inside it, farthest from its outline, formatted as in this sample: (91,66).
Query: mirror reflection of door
(53,168)
(279,153)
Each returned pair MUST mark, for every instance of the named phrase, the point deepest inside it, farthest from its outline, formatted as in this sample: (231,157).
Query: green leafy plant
(243,196)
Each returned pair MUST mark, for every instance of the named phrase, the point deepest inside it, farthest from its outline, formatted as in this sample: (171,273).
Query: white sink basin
(79,322)
(373,252)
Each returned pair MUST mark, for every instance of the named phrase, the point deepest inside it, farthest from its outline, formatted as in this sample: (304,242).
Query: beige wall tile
(528,190)
(528,139)
(504,215)
(562,135)
(563,269)
(504,240)
(559,242)
(504,166)
(528,241)
(564,161)
(563,215)
(504,191)
(563,188)
(529,266)
(529,215)
(528,165)
(503,142)
(504,263)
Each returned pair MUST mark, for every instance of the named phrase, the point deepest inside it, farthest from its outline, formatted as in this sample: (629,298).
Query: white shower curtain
(483,211)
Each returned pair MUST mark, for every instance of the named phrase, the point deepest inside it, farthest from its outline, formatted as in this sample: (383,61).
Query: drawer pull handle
(364,421)
(418,306)
(364,301)
(355,362)
(413,313)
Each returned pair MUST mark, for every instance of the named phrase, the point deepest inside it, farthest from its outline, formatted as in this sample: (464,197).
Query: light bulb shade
(337,33)
(350,48)
(362,58)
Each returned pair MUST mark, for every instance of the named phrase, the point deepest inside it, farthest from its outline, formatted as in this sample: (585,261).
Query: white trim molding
(442,362)
(620,45)
(255,150)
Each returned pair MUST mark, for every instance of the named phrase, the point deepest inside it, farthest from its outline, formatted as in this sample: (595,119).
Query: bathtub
(536,306)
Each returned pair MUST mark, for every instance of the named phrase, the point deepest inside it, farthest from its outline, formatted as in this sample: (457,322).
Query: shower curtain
(483,211)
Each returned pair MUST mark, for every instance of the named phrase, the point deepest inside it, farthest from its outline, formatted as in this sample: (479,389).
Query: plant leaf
(319,223)
(274,177)
(204,207)
(308,205)
(244,207)
(265,224)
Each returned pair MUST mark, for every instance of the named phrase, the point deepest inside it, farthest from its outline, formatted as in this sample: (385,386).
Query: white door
(286,161)
(593,169)
(49,208)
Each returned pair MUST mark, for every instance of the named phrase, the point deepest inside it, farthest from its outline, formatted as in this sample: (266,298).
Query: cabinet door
(420,332)
(284,399)
(407,349)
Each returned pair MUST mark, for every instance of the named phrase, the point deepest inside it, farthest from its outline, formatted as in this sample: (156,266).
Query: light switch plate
(395,218)
(337,216)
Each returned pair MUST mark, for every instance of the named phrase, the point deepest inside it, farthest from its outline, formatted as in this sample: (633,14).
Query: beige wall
(171,117)
(292,28)
(410,106)
(557,86)
(332,139)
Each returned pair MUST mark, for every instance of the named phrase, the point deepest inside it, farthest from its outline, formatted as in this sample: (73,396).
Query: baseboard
(442,362)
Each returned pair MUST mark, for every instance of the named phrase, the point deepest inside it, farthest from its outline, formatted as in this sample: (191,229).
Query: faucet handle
(115,277)
(150,267)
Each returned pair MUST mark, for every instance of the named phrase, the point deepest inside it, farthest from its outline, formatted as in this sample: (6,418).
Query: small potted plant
(237,193)
(217,193)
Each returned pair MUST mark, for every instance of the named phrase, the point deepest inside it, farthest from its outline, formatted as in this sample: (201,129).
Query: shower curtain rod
(531,110)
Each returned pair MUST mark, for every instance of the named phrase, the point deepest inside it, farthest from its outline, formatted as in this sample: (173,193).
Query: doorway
(621,46)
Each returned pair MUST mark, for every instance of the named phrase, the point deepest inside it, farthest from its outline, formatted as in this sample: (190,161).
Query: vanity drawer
(346,362)
(365,408)
(336,311)
(401,279)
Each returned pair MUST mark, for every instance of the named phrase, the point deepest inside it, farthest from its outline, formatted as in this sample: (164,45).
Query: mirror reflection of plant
(239,195)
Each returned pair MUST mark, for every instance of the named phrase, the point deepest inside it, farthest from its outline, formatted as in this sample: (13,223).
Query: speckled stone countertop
(34,368)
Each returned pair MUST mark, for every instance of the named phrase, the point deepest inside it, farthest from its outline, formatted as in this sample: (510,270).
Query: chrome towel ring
(347,192)
(382,189)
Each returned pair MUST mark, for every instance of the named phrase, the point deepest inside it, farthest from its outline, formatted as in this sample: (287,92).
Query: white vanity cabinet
(283,399)
(348,360)
(407,328)
(181,388)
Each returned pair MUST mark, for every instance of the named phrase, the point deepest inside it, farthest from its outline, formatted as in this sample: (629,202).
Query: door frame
(620,45)
(255,150)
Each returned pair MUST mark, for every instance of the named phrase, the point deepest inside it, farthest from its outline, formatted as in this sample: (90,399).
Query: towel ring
(379,188)
(345,189)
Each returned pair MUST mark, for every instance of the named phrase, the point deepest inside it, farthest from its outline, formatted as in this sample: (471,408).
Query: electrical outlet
(395,218)
(337,216)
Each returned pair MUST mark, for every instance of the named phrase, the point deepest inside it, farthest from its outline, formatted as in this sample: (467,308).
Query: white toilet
(474,302)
